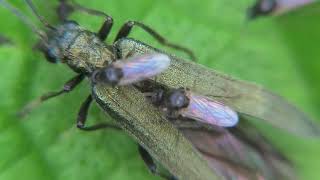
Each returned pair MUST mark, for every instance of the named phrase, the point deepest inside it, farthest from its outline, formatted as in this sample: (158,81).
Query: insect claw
(80,125)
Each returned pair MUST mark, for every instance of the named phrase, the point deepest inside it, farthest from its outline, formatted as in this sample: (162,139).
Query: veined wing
(209,111)
(142,67)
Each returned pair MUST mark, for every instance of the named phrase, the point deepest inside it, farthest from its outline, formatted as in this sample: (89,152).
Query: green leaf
(280,53)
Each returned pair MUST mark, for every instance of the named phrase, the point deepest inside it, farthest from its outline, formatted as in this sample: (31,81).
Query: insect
(182,103)
(274,7)
(144,123)
(132,70)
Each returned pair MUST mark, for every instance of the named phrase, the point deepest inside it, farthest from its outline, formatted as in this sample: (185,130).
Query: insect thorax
(87,53)
(82,50)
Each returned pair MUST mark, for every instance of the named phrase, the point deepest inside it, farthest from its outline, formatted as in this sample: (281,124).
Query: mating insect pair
(174,103)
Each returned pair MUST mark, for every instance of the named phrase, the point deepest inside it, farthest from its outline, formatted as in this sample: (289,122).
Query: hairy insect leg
(71,6)
(151,165)
(82,118)
(68,86)
(127,27)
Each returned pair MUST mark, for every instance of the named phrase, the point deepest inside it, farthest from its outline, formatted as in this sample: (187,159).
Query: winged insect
(274,7)
(182,103)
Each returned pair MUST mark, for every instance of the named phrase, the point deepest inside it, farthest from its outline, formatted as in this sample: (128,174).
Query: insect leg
(82,117)
(68,86)
(127,27)
(64,10)
(106,26)
(151,165)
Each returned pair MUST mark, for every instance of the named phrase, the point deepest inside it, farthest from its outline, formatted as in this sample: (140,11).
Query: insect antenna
(23,18)
(41,18)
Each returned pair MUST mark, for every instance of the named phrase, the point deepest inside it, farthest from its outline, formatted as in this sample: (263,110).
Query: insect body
(183,103)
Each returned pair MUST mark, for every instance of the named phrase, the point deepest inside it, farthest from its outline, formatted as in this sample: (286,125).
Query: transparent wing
(142,67)
(209,111)
(287,5)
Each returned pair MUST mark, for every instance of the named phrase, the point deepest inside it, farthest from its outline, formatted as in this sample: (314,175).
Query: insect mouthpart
(51,54)
(58,40)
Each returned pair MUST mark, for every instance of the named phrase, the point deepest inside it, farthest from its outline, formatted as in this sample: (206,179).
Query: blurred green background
(281,53)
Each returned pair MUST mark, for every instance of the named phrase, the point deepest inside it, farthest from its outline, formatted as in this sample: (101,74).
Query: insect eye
(51,56)
(178,100)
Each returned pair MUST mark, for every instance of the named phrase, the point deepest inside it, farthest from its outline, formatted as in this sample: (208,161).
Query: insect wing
(142,67)
(236,153)
(209,111)
(287,5)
